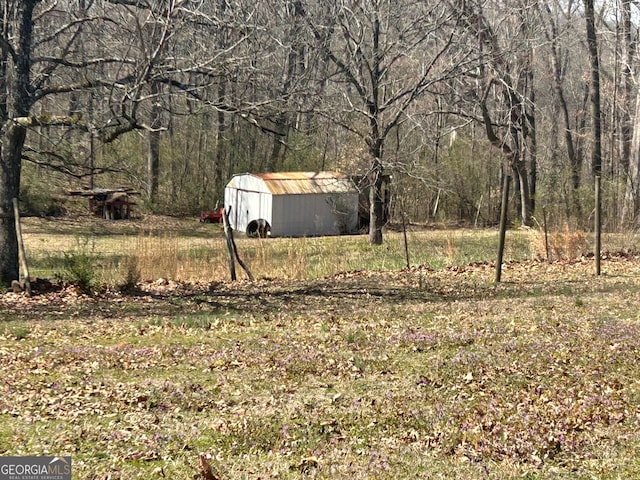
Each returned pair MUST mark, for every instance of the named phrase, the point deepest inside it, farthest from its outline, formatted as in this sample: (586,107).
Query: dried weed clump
(566,243)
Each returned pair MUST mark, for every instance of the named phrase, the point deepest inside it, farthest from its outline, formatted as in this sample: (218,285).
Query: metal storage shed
(292,204)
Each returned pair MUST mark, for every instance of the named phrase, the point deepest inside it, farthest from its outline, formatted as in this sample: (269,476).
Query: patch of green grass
(355,336)
(199,321)
(15,330)
(7,433)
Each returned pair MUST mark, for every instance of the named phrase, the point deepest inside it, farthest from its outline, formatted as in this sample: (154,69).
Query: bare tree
(502,87)
(628,60)
(385,56)
(557,31)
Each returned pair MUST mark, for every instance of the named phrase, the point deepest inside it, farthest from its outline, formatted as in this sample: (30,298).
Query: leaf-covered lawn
(412,374)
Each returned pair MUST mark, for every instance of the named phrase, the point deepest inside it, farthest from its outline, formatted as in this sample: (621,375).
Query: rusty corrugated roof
(292,183)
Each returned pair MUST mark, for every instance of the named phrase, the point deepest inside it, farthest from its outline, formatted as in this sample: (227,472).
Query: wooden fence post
(228,234)
(503,225)
(598,225)
(23,256)
(233,249)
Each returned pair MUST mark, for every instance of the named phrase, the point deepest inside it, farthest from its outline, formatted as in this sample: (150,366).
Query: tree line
(453,99)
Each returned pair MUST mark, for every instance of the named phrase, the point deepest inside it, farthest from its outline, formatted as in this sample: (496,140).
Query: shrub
(78,268)
(132,274)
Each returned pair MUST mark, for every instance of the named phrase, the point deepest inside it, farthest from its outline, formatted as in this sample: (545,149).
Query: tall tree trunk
(519,131)
(533,145)
(596,127)
(632,195)
(153,154)
(524,103)
(276,157)
(630,129)
(222,142)
(524,191)
(16,102)
(575,160)
(376,202)
(627,83)
(203,165)
(376,219)
(13,138)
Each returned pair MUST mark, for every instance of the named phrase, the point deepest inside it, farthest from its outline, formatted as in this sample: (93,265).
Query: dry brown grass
(185,250)
(564,244)
(170,256)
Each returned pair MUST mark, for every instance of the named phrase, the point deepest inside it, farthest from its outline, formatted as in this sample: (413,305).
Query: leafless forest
(453,99)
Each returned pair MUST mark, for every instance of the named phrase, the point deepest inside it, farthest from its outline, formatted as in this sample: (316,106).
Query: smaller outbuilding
(292,204)
(109,203)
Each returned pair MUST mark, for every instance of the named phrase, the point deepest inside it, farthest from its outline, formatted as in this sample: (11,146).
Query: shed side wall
(314,214)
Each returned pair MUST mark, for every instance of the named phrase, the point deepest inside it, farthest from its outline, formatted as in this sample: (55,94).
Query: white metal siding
(230,200)
(266,207)
(246,206)
(279,226)
(295,215)
(248,182)
(314,214)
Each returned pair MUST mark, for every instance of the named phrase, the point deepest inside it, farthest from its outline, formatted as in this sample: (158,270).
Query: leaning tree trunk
(526,212)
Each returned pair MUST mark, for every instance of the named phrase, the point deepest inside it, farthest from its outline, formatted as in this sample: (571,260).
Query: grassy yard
(186,250)
(337,363)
